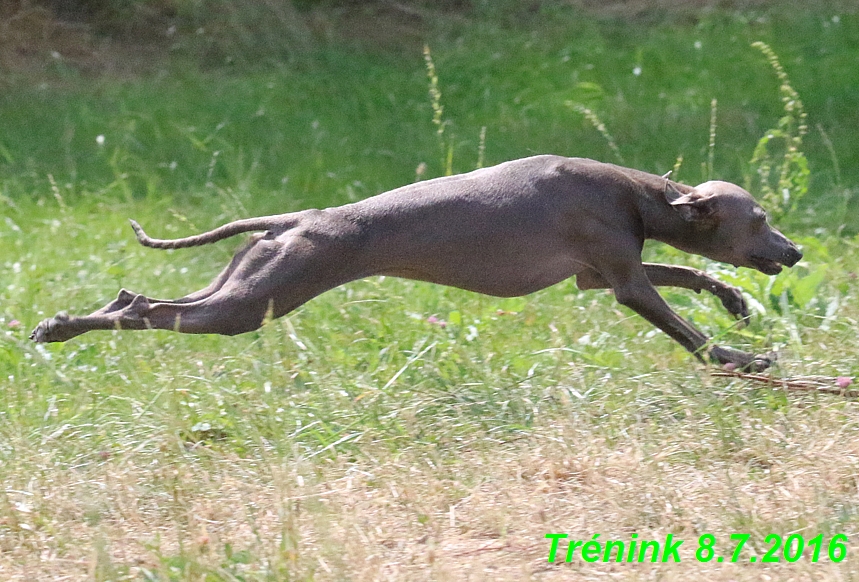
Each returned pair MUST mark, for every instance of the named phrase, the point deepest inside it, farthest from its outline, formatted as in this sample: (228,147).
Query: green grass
(359,380)
(360,438)
(353,116)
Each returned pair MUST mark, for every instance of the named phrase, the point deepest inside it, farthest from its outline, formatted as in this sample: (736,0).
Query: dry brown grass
(478,514)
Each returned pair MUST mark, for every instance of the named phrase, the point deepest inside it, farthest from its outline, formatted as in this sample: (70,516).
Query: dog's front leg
(687,278)
(633,289)
(642,297)
(682,277)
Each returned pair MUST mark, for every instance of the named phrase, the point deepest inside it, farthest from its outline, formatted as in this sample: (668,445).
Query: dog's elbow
(634,295)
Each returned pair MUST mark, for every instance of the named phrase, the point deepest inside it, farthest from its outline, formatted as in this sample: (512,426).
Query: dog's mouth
(765,266)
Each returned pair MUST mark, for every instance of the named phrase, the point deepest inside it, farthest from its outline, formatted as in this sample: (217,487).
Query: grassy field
(395,430)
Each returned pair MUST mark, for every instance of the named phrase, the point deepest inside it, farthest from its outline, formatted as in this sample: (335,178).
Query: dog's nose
(792,256)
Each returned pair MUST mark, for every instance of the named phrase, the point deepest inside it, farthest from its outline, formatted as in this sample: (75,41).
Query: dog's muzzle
(772,265)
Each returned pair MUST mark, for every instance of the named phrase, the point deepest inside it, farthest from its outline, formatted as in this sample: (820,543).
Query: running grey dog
(505,231)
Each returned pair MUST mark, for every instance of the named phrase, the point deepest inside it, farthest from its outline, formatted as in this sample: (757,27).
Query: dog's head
(731,227)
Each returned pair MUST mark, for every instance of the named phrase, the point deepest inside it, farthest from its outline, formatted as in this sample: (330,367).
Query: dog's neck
(659,220)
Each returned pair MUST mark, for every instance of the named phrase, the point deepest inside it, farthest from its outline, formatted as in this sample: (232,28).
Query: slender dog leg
(634,289)
(268,276)
(683,277)
(212,314)
(125,297)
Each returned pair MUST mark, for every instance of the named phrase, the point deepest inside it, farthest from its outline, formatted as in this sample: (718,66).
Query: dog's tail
(220,233)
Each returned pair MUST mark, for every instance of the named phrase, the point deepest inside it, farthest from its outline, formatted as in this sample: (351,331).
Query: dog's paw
(53,329)
(732,299)
(743,361)
(761,362)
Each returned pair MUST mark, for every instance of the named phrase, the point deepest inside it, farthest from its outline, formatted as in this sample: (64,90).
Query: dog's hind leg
(271,277)
(125,297)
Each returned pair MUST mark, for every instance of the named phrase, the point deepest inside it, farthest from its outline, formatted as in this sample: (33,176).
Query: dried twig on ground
(825,384)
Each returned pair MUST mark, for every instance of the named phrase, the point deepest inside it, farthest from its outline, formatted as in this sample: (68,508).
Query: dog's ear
(671,192)
(693,207)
